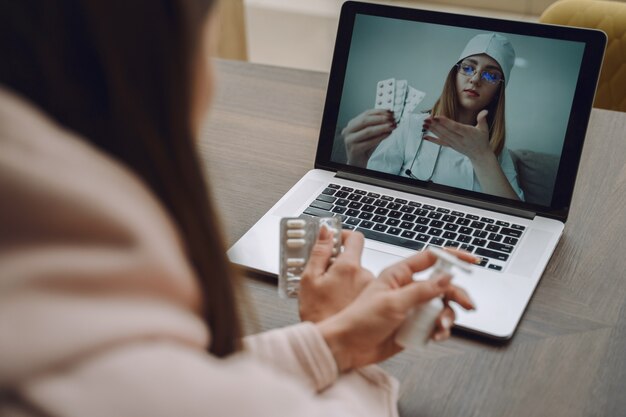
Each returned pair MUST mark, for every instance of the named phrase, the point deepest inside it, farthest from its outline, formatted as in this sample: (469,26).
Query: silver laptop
(408,157)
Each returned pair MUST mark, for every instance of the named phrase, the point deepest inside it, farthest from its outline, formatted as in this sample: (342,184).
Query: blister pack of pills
(397,96)
(297,237)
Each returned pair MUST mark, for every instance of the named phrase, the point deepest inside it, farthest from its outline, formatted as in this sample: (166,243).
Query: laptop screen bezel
(595,43)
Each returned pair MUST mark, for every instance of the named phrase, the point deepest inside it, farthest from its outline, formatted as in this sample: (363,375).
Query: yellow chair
(610,17)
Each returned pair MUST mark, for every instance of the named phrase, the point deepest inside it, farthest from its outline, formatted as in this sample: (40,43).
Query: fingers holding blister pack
(297,238)
(397,96)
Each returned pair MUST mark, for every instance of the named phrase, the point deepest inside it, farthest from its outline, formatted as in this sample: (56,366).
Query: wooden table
(568,357)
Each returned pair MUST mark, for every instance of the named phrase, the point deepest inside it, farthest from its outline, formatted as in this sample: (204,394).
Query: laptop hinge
(527,214)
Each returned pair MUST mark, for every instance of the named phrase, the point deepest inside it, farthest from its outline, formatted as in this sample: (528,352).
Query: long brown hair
(447,105)
(120,73)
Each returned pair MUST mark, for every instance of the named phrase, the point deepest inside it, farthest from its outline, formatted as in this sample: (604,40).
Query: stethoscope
(408,171)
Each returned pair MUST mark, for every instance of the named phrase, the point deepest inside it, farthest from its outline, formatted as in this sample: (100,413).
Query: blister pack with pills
(397,96)
(297,237)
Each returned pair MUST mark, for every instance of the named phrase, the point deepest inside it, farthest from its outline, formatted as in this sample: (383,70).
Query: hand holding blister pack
(418,326)
(397,96)
(297,238)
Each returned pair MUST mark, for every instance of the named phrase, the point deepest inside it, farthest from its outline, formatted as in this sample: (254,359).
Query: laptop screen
(461,108)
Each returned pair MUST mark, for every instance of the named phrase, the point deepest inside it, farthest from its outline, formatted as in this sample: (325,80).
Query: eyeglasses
(492,77)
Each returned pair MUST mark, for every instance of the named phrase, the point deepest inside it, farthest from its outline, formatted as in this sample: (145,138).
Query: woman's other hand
(325,288)
(363,332)
(363,134)
(471,141)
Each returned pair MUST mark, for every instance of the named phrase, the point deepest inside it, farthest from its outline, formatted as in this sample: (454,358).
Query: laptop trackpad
(376,261)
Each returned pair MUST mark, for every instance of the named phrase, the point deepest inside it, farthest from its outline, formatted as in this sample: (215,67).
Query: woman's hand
(363,134)
(471,141)
(326,289)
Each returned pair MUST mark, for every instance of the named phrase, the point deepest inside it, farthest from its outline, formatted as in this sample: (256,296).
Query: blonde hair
(447,105)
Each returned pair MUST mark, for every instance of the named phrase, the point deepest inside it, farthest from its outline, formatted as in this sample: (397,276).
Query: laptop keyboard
(414,225)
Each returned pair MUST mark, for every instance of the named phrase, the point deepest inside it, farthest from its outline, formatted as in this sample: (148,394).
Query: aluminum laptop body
(549,95)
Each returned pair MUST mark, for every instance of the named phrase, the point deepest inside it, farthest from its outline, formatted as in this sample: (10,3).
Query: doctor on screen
(460,141)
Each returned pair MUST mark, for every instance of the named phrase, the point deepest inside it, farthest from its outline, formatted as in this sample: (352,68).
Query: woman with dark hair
(116,297)
(460,141)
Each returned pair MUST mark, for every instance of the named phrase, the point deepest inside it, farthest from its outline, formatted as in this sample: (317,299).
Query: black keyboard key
(352,212)
(394,206)
(395,214)
(463,222)
(373,195)
(312,211)
(457,214)
(379,219)
(443,210)
(329,191)
(407,209)
(355,205)
(480,234)
(336,209)
(467,247)
(427,207)
(380,227)
(368,208)
(392,222)
(464,238)
(360,192)
(437,223)
(436,241)
(477,225)
(326,198)
(479,242)
(510,240)
(510,232)
(422,237)
(353,221)
(434,215)
(366,224)
(492,254)
(452,244)
(421,212)
(347,189)
(421,228)
(471,217)
(451,227)
(380,203)
(492,228)
(367,200)
(501,223)
(517,227)
(335,186)
(434,231)
(321,205)
(407,225)
(448,218)
(409,217)
(347,226)
(394,240)
(466,230)
(487,220)
(422,220)
(408,234)
(495,237)
(394,230)
(449,235)
(342,202)
(400,201)
(414,204)
(354,197)
(366,216)
(495,267)
(381,211)
(342,194)
(386,197)
(500,247)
